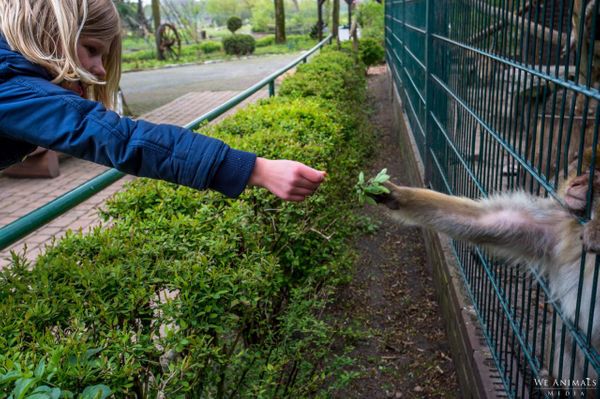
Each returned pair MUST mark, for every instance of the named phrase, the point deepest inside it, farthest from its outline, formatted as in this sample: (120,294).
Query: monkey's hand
(591,236)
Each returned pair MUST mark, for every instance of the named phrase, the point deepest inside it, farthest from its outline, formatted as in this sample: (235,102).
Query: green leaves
(190,294)
(365,189)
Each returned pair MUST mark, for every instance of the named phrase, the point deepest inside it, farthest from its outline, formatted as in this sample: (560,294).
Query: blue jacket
(35,112)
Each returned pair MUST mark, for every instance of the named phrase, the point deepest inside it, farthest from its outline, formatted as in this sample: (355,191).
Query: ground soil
(402,350)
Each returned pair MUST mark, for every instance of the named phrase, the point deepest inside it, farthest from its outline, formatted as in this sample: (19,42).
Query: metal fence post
(428,90)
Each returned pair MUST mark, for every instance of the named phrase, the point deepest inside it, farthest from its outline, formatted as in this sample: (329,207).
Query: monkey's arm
(512,225)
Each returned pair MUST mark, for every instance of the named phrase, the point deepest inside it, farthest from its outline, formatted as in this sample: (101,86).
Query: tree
(320,23)
(141,17)
(156,14)
(335,20)
(186,15)
(220,10)
(279,22)
(350,3)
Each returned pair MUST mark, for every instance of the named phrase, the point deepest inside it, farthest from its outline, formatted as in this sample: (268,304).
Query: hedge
(239,44)
(190,294)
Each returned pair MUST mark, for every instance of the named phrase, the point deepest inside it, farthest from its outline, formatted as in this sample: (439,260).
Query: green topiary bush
(190,294)
(239,44)
(234,23)
(371,52)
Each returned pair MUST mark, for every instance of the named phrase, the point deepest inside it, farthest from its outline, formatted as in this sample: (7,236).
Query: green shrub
(268,40)
(209,47)
(371,52)
(239,44)
(333,76)
(234,23)
(190,294)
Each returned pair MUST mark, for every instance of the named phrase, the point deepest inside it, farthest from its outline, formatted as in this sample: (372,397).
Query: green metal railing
(21,227)
(503,95)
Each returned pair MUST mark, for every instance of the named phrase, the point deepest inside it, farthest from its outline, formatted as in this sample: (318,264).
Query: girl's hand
(289,180)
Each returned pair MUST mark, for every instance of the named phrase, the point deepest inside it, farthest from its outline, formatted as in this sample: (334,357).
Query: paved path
(148,90)
(21,196)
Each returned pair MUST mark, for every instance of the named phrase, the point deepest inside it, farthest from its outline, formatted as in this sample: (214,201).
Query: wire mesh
(503,95)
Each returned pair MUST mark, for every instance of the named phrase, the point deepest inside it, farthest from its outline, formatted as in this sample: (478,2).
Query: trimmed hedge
(208,47)
(190,294)
(239,44)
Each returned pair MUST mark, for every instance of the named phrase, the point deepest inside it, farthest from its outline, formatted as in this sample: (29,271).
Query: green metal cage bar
(503,95)
(21,227)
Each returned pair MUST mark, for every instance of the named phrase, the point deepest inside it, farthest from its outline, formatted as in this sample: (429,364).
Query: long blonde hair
(46,32)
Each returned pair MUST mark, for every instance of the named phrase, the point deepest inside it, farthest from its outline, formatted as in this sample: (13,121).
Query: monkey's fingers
(387,199)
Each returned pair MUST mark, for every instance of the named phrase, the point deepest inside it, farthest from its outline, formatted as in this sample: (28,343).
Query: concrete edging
(476,370)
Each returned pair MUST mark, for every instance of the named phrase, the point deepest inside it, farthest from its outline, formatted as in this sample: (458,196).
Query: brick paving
(21,196)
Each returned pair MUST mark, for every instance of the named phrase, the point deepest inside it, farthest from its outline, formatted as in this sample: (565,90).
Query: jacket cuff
(234,172)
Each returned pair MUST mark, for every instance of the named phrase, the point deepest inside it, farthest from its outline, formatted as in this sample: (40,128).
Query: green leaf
(91,352)
(10,376)
(22,386)
(45,392)
(40,369)
(96,392)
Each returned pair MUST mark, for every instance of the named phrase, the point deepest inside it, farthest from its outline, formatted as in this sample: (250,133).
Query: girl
(59,73)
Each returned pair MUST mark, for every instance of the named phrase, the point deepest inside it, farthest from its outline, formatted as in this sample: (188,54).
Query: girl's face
(90,52)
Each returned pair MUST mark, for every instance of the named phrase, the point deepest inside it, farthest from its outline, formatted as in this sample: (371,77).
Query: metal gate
(503,95)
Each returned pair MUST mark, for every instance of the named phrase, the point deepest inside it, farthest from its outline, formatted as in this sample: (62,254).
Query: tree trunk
(143,22)
(349,2)
(156,14)
(156,19)
(320,19)
(335,23)
(279,22)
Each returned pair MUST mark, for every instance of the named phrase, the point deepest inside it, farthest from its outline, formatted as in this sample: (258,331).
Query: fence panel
(503,95)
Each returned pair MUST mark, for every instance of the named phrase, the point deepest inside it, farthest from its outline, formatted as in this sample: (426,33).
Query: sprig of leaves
(373,186)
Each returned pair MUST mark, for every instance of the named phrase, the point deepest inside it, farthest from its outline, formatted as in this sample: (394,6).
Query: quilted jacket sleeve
(38,112)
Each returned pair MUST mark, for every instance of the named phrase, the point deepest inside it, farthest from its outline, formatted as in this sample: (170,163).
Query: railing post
(272,88)
(428,90)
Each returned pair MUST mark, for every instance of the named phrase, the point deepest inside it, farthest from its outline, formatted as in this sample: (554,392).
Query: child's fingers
(312,175)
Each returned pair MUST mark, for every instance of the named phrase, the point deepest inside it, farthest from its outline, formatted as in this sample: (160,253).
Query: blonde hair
(46,32)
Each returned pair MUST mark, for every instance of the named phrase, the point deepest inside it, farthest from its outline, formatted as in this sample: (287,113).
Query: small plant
(234,23)
(373,186)
(371,52)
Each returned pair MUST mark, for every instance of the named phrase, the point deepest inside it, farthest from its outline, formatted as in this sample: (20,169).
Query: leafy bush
(268,40)
(234,23)
(335,77)
(370,17)
(208,47)
(239,44)
(190,294)
(314,30)
(371,52)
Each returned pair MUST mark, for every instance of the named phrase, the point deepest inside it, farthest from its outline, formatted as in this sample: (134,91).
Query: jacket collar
(13,63)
